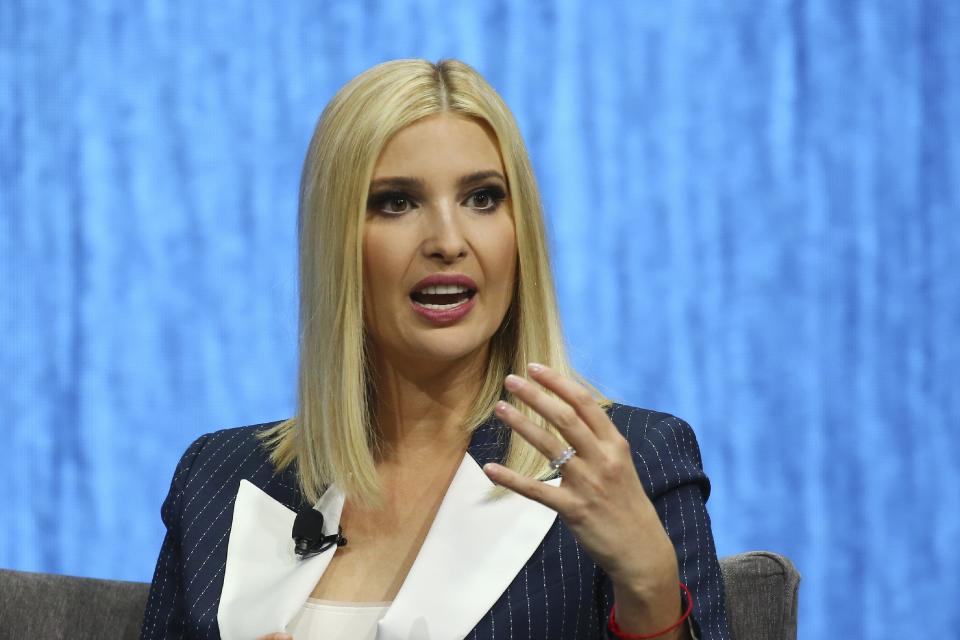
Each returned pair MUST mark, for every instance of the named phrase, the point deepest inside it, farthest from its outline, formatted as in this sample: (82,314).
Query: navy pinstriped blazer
(558,593)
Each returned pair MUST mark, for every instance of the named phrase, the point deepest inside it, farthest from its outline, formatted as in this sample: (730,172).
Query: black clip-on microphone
(308,536)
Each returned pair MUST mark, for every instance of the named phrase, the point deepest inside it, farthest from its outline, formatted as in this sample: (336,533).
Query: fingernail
(501,407)
(513,382)
(535,367)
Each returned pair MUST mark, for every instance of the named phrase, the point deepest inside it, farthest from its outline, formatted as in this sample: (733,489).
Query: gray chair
(761,593)
(761,602)
(45,605)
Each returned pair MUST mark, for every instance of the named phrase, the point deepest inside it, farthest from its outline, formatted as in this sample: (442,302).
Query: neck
(420,406)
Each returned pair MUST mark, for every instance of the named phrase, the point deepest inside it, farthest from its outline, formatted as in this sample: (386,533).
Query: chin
(447,353)
(446,345)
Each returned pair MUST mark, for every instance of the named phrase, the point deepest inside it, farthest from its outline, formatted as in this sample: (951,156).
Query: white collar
(472,552)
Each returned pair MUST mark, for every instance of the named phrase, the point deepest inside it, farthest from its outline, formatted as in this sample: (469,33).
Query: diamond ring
(563,458)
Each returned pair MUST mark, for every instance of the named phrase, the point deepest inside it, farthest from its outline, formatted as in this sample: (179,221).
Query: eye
(393,204)
(397,204)
(486,199)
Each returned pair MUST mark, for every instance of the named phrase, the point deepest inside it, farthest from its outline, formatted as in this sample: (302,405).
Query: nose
(445,239)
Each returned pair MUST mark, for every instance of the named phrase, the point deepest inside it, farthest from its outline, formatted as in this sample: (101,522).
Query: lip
(436,279)
(445,316)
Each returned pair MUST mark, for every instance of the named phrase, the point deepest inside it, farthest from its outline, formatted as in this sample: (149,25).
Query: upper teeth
(443,288)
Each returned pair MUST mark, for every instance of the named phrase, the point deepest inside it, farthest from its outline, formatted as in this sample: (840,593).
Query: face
(439,249)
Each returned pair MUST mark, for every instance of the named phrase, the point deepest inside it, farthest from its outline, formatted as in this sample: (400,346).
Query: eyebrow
(419,184)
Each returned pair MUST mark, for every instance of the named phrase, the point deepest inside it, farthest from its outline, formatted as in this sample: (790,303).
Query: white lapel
(472,552)
(265,583)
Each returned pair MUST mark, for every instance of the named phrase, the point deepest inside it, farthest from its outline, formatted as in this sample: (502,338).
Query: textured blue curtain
(755,215)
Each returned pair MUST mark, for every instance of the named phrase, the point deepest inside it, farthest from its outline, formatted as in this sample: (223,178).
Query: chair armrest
(44,605)
(761,595)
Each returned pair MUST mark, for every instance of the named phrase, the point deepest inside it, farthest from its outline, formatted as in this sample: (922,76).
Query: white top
(329,620)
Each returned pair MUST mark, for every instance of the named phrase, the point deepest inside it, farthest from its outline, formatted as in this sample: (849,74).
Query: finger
(547,495)
(556,412)
(541,439)
(577,396)
(276,636)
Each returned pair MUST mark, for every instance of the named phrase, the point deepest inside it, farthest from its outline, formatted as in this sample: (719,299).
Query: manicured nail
(535,367)
(513,382)
(501,408)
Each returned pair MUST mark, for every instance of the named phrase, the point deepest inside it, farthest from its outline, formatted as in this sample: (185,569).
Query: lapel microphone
(308,535)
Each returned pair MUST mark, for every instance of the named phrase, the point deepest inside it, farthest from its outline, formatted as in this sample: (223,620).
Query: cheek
(378,262)
(503,258)
(374,284)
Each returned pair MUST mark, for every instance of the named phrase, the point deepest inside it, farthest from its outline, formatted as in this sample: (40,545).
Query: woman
(440,426)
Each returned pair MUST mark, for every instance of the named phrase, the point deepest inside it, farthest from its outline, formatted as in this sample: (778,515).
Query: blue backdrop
(781,178)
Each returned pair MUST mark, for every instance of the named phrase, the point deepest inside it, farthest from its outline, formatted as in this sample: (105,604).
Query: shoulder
(645,427)
(223,452)
(664,448)
(212,467)
(235,441)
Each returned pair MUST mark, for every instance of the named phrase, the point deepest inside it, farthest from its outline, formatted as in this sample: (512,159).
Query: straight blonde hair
(333,436)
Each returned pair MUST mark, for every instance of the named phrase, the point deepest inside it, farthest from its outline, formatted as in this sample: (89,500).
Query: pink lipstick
(444,298)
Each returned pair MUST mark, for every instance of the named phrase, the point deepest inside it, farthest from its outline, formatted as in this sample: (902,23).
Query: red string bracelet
(618,632)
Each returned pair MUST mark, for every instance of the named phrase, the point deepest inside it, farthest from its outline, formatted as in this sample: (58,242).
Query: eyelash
(379,201)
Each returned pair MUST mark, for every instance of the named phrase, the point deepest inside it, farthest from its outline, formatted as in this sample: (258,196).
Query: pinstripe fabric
(560,593)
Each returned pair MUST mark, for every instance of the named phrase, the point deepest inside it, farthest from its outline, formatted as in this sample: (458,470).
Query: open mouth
(443,297)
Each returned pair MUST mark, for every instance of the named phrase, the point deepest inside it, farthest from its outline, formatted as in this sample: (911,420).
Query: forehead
(438,145)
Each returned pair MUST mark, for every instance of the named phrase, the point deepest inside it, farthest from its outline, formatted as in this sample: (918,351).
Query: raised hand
(600,497)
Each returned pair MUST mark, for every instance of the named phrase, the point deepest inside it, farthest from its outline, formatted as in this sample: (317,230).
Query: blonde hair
(333,438)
